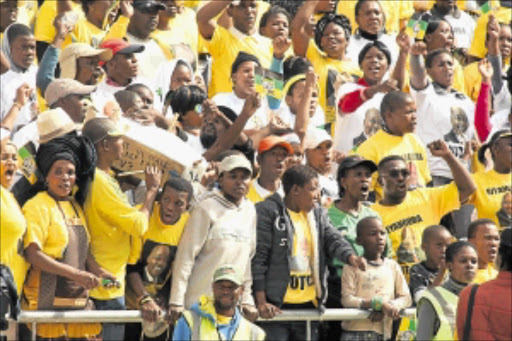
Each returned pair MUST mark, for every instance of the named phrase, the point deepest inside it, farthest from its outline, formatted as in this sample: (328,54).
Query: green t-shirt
(346,223)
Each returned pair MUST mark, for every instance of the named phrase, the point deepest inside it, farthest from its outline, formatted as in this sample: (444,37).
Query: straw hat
(54,123)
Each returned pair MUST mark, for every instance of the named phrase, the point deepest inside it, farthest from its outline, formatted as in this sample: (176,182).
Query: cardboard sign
(151,146)
(269,83)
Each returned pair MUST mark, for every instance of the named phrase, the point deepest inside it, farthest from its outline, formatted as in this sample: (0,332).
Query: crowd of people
(356,154)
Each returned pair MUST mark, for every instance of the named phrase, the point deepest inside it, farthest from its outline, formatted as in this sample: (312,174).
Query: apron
(61,293)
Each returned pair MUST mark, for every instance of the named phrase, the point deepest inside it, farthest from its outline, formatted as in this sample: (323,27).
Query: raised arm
(419,79)
(299,33)
(302,119)
(228,139)
(493,32)
(482,118)
(206,17)
(64,6)
(404,42)
(461,175)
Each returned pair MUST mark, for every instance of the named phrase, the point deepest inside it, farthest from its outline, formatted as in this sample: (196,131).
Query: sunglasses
(395,173)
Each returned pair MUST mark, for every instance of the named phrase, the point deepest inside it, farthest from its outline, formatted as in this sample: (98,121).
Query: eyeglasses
(395,173)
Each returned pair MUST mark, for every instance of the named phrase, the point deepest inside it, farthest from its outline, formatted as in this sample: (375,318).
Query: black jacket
(275,233)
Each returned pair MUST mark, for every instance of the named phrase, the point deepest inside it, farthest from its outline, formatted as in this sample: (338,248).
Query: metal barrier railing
(134,316)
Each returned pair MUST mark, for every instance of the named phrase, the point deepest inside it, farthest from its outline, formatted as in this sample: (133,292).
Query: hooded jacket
(275,234)
(218,232)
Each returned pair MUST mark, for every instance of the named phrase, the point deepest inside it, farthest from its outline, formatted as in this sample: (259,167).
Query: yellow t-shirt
(182,30)
(478,49)
(13,227)
(421,208)
(253,194)
(486,275)
(394,11)
(301,288)
(46,227)
(88,33)
(159,233)
(408,146)
(111,222)
(327,70)
(44,29)
(491,188)
(224,48)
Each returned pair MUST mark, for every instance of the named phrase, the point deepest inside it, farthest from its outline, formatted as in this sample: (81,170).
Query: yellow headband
(292,81)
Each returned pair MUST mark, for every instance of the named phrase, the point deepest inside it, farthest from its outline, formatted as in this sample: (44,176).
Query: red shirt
(353,100)
(492,311)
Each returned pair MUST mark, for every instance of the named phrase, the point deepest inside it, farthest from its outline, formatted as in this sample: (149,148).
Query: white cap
(314,137)
(233,162)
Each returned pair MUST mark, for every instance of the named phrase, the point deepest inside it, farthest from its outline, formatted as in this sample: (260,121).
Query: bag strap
(469,314)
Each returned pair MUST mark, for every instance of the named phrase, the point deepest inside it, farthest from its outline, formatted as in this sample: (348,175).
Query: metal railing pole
(308,330)
(34,331)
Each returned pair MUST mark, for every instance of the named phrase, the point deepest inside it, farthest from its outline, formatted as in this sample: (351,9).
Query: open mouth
(374,68)
(402,187)
(365,189)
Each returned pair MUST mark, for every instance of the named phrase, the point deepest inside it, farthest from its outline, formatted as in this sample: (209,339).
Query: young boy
(381,288)
(148,280)
(430,272)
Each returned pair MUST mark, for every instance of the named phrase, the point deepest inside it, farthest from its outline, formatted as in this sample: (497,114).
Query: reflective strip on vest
(202,328)
(445,305)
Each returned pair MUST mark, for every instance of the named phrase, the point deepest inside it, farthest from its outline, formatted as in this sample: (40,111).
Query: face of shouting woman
(61,179)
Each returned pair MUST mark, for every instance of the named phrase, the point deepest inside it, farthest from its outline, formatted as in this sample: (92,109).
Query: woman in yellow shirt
(494,185)
(327,53)
(57,243)
(12,222)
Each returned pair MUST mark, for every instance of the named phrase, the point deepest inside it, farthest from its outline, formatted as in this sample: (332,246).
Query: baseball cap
(506,237)
(233,162)
(270,142)
(228,273)
(121,46)
(147,4)
(74,51)
(63,87)
(354,161)
(314,137)
(96,129)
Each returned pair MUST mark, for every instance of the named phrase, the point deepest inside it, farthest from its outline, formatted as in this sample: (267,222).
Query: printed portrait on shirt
(456,138)
(372,123)
(505,213)
(157,260)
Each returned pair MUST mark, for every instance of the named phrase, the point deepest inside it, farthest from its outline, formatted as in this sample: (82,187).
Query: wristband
(16,104)
(144,299)
(377,303)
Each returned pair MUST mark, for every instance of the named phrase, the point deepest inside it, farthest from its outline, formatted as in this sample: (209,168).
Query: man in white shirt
(121,71)
(144,22)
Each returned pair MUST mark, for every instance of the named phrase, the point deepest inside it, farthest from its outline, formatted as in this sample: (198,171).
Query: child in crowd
(381,288)
(431,272)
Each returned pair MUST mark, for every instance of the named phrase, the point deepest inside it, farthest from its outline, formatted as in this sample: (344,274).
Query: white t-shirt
(150,59)
(286,115)
(9,84)
(104,92)
(357,43)
(463,28)
(499,121)
(447,116)
(349,127)
(503,100)
(195,142)
(259,120)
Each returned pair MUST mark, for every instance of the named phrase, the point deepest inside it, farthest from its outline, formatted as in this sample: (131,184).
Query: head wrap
(6,44)
(163,77)
(77,149)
